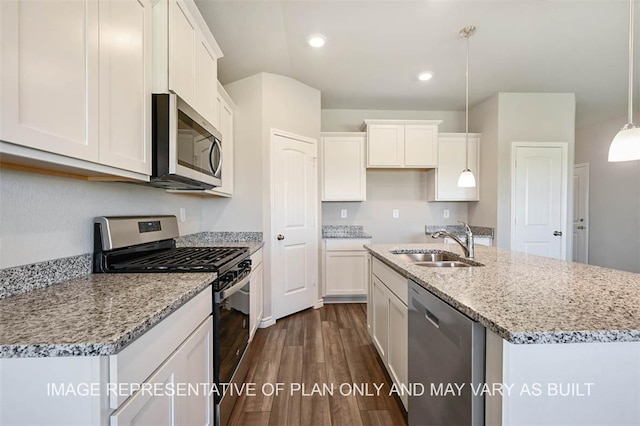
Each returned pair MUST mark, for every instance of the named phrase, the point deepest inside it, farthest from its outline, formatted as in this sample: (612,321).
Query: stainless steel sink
(429,257)
(447,264)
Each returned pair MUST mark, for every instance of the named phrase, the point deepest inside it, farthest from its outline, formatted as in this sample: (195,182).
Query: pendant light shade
(467,179)
(626,144)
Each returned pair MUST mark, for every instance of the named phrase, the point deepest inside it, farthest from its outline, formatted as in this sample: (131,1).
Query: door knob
(557,233)
(280,237)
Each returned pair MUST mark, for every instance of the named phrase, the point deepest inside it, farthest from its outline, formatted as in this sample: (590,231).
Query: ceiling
(375,50)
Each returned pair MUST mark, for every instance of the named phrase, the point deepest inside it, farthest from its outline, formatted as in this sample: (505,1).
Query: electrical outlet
(396,213)
(343,213)
(183,214)
(445,213)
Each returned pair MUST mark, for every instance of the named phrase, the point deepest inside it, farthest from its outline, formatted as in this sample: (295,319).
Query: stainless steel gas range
(143,244)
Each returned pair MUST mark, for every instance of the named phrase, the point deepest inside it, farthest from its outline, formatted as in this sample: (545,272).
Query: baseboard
(319,304)
(346,299)
(266,322)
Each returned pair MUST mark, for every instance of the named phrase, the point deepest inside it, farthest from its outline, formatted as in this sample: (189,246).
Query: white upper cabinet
(343,168)
(442,183)
(76,82)
(50,76)
(125,85)
(185,56)
(402,143)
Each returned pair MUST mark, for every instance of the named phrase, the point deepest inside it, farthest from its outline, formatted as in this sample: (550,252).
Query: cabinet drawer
(136,362)
(393,280)
(347,244)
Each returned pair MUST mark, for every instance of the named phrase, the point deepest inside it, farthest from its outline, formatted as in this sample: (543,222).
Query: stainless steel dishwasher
(446,355)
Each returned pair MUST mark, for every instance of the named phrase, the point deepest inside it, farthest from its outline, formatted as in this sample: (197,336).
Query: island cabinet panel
(389,322)
(592,383)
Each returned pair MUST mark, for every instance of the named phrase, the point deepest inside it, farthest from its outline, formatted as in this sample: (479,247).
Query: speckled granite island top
(530,299)
(92,315)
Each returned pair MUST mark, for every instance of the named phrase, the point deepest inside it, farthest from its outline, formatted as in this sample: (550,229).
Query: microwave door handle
(215,170)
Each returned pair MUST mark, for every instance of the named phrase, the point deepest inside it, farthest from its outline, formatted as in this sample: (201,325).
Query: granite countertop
(530,299)
(96,314)
(344,232)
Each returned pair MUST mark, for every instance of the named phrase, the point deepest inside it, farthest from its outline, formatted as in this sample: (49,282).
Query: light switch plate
(396,213)
(343,213)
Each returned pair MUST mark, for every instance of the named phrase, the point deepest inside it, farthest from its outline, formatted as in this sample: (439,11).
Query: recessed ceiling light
(425,76)
(317,40)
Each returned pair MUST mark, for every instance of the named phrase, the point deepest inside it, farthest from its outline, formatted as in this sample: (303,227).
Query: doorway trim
(270,225)
(564,246)
(586,212)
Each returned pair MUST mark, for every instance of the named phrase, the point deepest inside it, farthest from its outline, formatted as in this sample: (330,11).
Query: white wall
(392,189)
(614,205)
(516,117)
(47,217)
(483,118)
(405,190)
(243,212)
(350,120)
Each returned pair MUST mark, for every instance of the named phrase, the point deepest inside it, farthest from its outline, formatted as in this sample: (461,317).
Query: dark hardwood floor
(318,357)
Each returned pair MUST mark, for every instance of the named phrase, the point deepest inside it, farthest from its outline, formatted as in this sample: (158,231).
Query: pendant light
(466,179)
(626,144)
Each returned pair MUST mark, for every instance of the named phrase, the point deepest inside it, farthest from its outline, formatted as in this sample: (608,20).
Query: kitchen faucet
(466,248)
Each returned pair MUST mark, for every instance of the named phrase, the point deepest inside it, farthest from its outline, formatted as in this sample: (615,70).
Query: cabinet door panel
(225,126)
(149,408)
(255,314)
(206,78)
(196,367)
(346,273)
(343,169)
(182,51)
(125,84)
(420,146)
(398,343)
(50,76)
(380,318)
(385,145)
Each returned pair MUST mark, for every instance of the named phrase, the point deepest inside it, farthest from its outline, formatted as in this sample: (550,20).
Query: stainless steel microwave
(186,149)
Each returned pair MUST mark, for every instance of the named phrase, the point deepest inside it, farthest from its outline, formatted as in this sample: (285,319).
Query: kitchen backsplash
(25,278)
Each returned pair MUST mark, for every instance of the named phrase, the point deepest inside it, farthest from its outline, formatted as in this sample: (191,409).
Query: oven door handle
(234,288)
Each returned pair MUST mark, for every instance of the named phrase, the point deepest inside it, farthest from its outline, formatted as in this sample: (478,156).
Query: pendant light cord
(630,61)
(466,143)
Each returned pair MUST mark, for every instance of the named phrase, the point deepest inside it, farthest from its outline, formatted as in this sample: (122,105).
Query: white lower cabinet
(146,383)
(389,322)
(346,268)
(168,401)
(255,294)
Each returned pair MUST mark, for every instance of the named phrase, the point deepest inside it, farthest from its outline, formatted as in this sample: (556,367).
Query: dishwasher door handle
(431,318)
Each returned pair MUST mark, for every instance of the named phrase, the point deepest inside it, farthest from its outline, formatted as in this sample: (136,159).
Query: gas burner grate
(183,259)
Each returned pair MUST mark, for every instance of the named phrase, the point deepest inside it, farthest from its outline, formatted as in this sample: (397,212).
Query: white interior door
(539,199)
(294,219)
(581,213)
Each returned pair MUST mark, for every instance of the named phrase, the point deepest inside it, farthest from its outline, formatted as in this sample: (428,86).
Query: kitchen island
(562,341)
